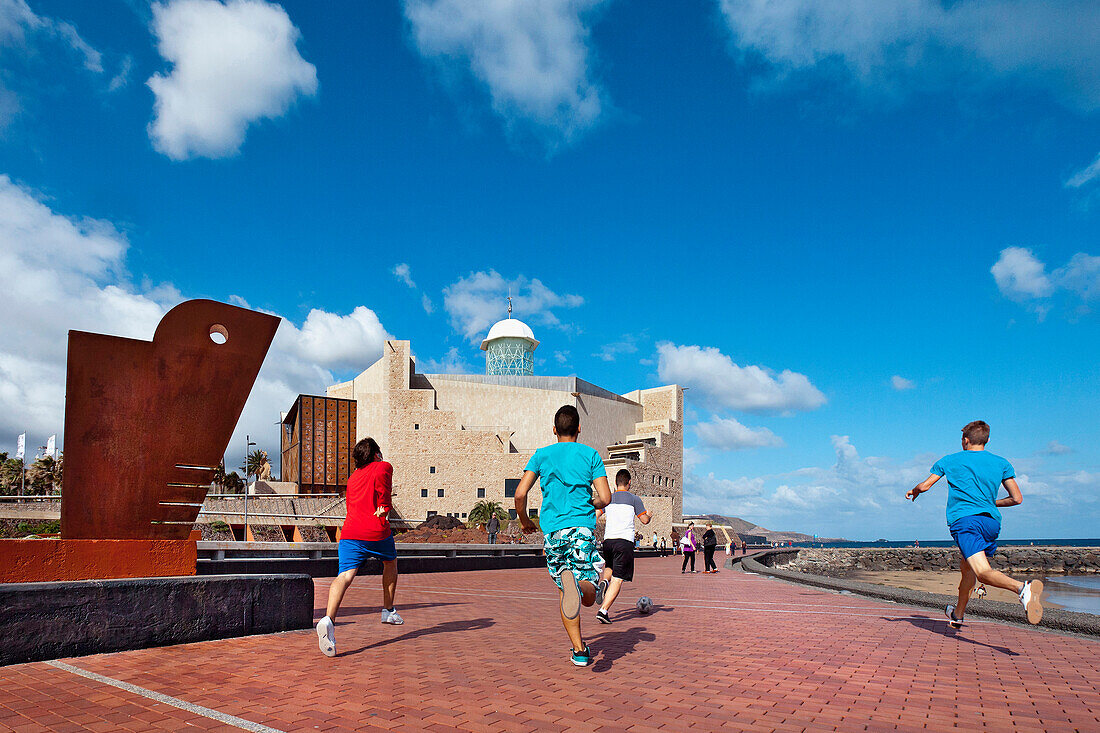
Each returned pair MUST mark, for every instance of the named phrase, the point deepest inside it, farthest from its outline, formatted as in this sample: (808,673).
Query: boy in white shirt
(618,542)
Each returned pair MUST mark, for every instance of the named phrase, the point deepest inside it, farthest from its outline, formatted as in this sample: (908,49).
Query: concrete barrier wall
(840,561)
(68,619)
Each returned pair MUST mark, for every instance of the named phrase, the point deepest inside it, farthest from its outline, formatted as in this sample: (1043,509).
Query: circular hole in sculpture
(218,334)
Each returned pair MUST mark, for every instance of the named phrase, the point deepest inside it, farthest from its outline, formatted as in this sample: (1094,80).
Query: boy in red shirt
(366,533)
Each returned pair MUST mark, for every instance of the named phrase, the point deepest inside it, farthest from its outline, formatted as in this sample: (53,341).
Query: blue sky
(848,230)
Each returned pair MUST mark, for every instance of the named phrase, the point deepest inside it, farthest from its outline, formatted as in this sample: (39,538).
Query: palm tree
(485,509)
(255,463)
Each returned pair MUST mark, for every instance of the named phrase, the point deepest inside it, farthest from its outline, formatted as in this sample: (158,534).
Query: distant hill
(742,526)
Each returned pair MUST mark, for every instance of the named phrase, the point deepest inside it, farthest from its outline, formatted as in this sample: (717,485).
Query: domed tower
(510,347)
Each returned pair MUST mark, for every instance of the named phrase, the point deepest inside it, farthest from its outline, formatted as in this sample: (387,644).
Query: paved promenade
(485,651)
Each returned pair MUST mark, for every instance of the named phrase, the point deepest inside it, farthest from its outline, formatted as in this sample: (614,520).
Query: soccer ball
(644,605)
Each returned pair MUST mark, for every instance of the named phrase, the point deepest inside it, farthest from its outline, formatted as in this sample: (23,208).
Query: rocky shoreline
(841,562)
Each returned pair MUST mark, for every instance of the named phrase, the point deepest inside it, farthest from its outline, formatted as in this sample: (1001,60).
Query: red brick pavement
(485,651)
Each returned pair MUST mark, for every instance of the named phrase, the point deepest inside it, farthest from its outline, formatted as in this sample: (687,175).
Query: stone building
(455,439)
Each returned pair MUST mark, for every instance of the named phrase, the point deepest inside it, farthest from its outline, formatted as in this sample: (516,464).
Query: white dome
(510,328)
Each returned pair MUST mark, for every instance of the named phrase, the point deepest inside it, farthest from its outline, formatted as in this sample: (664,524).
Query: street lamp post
(248,445)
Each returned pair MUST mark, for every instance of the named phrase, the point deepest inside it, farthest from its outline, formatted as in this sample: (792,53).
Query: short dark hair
(567,421)
(365,451)
(622,478)
(977,432)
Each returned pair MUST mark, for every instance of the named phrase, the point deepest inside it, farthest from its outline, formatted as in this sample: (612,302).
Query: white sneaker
(1029,596)
(326,637)
(955,623)
(390,616)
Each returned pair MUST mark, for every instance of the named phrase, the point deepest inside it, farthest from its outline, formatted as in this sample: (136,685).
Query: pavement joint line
(166,699)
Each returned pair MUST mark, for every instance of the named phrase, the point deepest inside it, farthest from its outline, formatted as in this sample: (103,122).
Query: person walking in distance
(710,545)
(492,527)
(366,534)
(687,545)
(974,477)
(618,551)
(567,472)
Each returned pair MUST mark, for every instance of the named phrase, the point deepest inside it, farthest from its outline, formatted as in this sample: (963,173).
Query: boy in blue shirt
(974,477)
(567,471)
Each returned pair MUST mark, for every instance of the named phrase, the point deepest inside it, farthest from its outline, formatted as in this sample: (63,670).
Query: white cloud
(1086,175)
(64,272)
(17,21)
(479,300)
(1054,448)
(453,362)
(900,383)
(561,356)
(233,64)
(728,385)
(1023,277)
(611,351)
(532,57)
(729,434)
(1020,275)
(928,44)
(404,273)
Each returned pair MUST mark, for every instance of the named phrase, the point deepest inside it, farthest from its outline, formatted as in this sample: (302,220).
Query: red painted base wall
(35,561)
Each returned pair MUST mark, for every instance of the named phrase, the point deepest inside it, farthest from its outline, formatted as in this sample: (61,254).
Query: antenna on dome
(509,302)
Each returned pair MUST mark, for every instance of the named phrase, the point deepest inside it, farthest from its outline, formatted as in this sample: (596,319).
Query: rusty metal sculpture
(146,423)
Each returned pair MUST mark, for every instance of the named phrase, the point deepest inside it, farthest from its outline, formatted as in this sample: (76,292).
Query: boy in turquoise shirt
(974,477)
(567,471)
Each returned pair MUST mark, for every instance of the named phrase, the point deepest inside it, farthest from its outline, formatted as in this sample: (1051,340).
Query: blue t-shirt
(566,472)
(974,478)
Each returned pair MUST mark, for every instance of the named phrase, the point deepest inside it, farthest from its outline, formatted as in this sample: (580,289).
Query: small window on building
(510,485)
(440,492)
(432,514)
(423,493)
(431,469)
(481,493)
(532,513)
(463,515)
(512,514)
(416,426)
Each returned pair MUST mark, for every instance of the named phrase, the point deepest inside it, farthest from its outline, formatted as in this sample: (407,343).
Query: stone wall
(840,562)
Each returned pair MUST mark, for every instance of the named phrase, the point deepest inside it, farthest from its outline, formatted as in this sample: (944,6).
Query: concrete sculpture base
(54,620)
(46,560)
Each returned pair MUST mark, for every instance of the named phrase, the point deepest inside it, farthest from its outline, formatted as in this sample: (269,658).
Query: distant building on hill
(456,439)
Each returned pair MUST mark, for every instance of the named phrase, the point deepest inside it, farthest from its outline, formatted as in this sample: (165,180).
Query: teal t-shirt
(974,478)
(566,472)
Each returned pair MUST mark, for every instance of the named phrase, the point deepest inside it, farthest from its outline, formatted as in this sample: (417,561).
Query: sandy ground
(931,581)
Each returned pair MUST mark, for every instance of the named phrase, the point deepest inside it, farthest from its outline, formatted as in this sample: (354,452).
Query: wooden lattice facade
(317,438)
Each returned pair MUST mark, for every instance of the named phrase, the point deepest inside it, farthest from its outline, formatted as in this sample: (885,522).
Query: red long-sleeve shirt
(369,488)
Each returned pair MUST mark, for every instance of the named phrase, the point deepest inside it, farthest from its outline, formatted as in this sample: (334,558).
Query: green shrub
(219,526)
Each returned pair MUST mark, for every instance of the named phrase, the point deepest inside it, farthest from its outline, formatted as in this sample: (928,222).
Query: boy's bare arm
(644,517)
(1015,496)
(525,485)
(922,487)
(603,493)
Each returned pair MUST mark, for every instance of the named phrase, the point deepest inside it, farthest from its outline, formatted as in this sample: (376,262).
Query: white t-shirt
(620,515)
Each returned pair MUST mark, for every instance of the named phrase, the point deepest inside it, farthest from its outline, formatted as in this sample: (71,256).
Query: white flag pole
(20,451)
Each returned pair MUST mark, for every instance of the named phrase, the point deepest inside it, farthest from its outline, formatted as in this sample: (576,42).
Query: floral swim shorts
(573,548)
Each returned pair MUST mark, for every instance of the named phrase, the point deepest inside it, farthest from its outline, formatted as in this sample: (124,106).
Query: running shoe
(601,588)
(570,595)
(391,616)
(1029,596)
(955,623)
(581,658)
(602,617)
(326,637)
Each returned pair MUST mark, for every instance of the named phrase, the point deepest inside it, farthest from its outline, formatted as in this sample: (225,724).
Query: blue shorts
(977,533)
(353,553)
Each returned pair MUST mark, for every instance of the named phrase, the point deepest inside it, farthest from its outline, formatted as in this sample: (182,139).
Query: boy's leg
(979,563)
(389,582)
(336,592)
(966,584)
(612,593)
(573,628)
